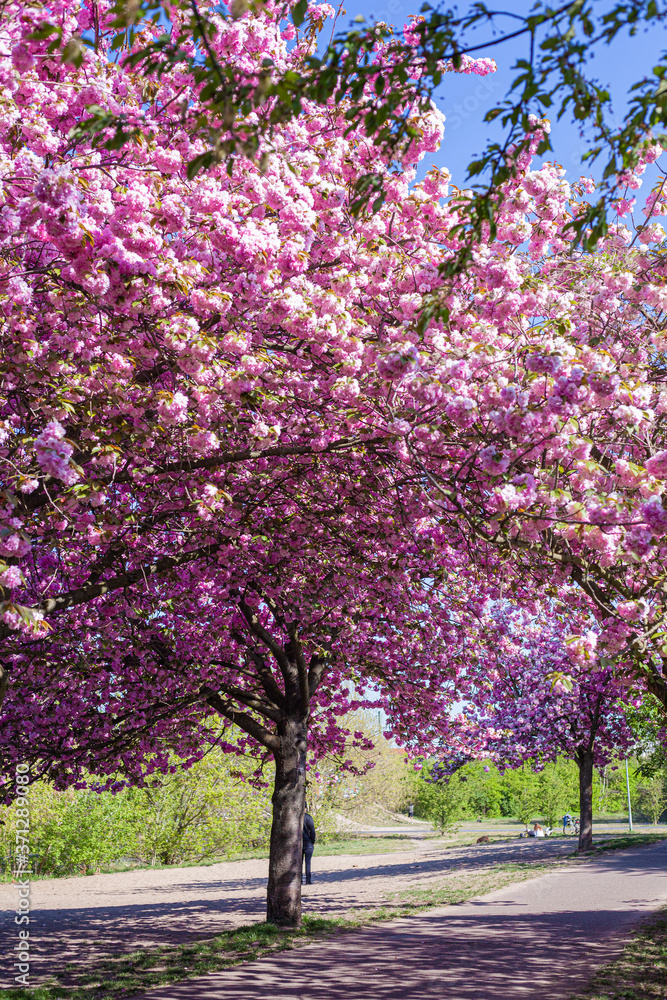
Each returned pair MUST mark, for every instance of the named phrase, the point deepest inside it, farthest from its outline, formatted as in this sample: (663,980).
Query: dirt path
(540,938)
(80,919)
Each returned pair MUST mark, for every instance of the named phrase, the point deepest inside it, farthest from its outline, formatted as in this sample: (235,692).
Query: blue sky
(465,99)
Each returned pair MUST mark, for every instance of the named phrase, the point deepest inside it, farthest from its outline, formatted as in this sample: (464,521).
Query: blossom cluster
(219,389)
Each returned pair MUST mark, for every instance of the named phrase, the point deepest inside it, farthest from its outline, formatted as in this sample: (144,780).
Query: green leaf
(45,30)
(299,12)
(74,52)
(200,162)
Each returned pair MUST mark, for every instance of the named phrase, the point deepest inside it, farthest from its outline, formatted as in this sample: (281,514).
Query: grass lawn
(603,841)
(618,841)
(641,971)
(364,845)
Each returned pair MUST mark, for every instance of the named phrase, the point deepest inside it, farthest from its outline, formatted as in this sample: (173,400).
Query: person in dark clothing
(308,844)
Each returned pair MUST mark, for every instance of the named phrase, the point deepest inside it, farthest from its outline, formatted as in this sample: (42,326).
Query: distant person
(538,830)
(308,844)
(411,812)
(567,819)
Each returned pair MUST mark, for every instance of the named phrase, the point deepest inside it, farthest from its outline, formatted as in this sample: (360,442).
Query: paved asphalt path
(540,938)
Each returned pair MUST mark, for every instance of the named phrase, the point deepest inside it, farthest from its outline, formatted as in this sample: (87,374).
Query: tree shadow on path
(472,957)
(543,937)
(109,921)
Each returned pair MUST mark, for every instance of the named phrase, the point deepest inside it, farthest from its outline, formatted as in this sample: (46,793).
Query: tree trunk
(585,763)
(283,902)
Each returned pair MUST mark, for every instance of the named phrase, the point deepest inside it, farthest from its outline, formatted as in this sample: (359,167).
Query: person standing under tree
(308,843)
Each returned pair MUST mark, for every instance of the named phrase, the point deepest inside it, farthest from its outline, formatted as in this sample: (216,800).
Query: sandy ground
(80,919)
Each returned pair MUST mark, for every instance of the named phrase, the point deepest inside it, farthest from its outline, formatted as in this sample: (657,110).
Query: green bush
(557,791)
(482,794)
(651,798)
(443,802)
(206,812)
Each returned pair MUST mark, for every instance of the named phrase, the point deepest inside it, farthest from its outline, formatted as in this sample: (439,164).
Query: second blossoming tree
(533,692)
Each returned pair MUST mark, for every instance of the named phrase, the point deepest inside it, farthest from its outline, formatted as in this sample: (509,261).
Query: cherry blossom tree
(174,349)
(559,44)
(117,689)
(554,450)
(524,393)
(202,513)
(533,694)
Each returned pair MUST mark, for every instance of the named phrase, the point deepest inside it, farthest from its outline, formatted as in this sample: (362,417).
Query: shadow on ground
(476,957)
(97,928)
(545,937)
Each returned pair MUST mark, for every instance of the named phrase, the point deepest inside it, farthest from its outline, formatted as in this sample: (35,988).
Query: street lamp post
(627,783)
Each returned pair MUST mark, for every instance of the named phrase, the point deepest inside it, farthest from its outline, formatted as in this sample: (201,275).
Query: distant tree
(362,780)
(536,695)
(522,793)
(557,790)
(439,799)
(483,789)
(652,798)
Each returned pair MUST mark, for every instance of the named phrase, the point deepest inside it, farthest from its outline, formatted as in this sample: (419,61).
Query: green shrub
(206,812)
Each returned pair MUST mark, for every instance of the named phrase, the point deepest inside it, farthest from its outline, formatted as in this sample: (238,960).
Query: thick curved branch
(265,636)
(250,700)
(35,501)
(296,650)
(89,592)
(316,670)
(243,721)
(266,679)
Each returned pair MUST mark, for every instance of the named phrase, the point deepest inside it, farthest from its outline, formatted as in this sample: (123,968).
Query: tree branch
(243,721)
(315,672)
(36,500)
(267,679)
(54,605)
(251,701)
(265,636)
(296,649)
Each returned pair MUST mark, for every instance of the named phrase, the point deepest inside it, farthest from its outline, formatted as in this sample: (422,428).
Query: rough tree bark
(284,711)
(283,898)
(584,758)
